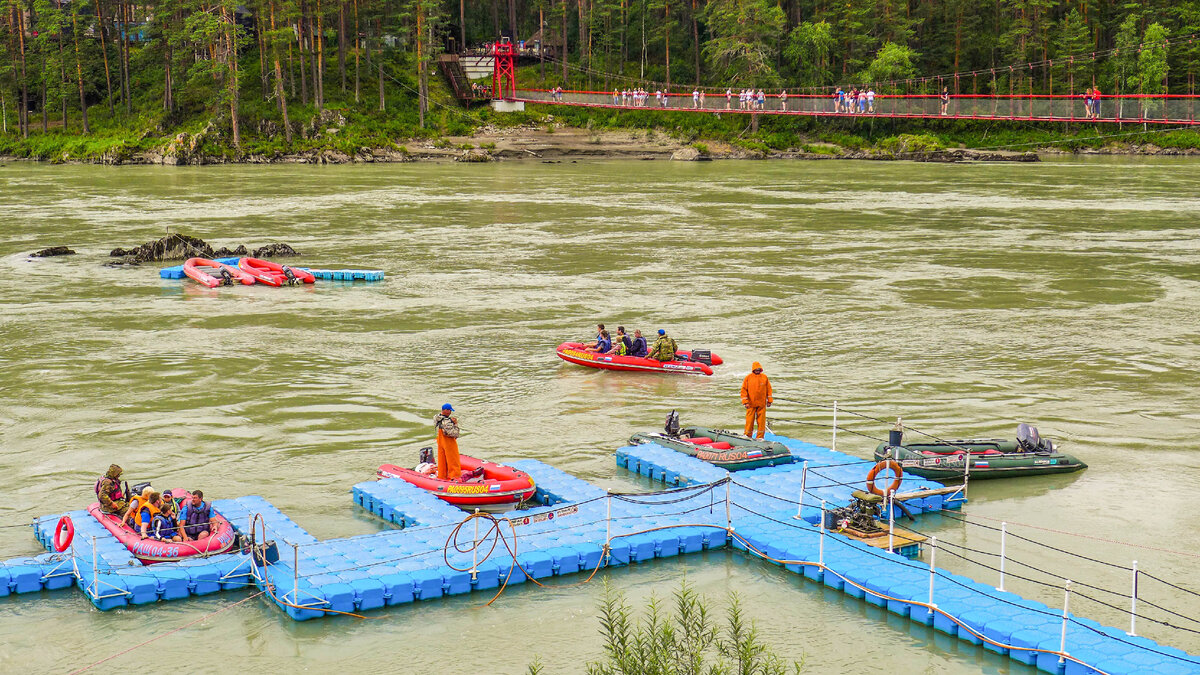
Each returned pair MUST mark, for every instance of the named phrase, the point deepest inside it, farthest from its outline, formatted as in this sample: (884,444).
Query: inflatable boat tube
(573,352)
(278,273)
(153,550)
(208,272)
(500,488)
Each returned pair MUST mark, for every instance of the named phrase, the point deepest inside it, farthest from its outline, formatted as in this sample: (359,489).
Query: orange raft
(153,550)
(212,273)
(495,487)
(573,352)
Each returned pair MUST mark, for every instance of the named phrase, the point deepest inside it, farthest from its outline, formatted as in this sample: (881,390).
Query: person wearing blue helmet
(664,347)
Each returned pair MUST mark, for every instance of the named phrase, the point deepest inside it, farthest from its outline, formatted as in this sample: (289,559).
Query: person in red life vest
(447,444)
(194,517)
(108,490)
(756,396)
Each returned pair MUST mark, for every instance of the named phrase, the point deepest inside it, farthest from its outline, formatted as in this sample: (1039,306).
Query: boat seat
(703,440)
(721,445)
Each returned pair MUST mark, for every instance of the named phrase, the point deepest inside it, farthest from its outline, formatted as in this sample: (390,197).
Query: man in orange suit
(756,396)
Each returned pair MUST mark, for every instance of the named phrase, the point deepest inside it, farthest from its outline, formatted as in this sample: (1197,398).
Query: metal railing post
(966,469)
(295,574)
(834,448)
(803,488)
(1133,603)
(95,585)
(821,550)
(475,549)
(728,515)
(1003,541)
(932,571)
(891,504)
(1062,644)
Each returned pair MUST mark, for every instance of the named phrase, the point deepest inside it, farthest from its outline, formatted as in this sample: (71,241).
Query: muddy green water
(964,298)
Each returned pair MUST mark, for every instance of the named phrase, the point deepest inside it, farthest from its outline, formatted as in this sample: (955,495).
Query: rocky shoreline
(560,143)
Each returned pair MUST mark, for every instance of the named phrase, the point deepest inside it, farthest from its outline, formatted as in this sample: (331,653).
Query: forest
(267,67)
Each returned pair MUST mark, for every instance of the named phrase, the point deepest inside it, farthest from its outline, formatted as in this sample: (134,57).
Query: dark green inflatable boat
(1028,455)
(726,449)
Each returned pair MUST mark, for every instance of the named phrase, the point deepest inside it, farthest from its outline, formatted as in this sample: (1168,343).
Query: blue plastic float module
(176,272)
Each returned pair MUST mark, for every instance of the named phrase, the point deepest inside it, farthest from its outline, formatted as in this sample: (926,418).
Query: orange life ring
(875,470)
(64,523)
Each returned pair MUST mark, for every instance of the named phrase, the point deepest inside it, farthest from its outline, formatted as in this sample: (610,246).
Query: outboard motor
(425,456)
(702,356)
(291,277)
(1028,438)
(672,426)
(226,279)
(137,490)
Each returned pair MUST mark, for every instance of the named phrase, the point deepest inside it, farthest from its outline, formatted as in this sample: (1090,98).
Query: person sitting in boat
(194,516)
(108,490)
(603,343)
(147,510)
(163,524)
(618,347)
(623,338)
(599,336)
(664,347)
(447,444)
(638,348)
(135,505)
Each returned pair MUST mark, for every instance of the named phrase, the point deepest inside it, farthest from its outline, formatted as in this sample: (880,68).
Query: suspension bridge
(1042,91)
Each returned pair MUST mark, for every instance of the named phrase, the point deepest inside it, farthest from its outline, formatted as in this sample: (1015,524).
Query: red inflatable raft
(573,352)
(153,550)
(275,274)
(209,273)
(500,488)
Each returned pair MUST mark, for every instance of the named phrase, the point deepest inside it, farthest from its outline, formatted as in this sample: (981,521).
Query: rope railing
(1110,108)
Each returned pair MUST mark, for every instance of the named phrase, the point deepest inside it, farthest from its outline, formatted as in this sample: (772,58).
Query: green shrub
(700,148)
(682,639)
(488,146)
(911,143)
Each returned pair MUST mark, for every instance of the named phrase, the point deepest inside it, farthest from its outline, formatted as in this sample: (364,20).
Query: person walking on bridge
(448,467)
(756,397)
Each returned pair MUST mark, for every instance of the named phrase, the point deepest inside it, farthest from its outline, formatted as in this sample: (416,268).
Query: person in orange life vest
(447,444)
(756,396)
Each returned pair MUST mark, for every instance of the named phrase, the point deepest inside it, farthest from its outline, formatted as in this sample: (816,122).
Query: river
(964,298)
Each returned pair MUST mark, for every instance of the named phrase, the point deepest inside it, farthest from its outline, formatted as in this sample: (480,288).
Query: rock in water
(275,251)
(225,252)
(170,247)
(51,252)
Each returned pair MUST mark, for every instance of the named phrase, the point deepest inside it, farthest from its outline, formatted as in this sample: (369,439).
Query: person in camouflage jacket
(112,499)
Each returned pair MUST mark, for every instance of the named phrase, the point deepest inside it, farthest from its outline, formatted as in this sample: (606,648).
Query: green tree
(892,62)
(1152,68)
(808,51)
(1072,39)
(744,38)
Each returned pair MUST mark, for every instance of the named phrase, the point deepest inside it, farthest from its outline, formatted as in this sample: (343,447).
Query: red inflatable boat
(276,273)
(499,488)
(209,273)
(153,550)
(573,352)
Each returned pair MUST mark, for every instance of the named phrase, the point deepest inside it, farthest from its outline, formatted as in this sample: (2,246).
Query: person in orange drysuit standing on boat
(756,396)
(447,444)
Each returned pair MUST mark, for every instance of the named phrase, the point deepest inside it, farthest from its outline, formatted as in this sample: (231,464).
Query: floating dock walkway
(577,528)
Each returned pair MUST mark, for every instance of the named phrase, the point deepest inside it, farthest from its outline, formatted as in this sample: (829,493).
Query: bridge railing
(1159,109)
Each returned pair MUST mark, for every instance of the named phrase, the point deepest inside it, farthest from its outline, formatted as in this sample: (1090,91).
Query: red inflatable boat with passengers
(493,487)
(153,550)
(573,352)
